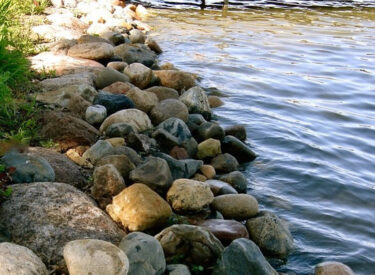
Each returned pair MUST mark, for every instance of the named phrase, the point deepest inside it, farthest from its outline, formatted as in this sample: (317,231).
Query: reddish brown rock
(175,79)
(119,87)
(179,153)
(215,101)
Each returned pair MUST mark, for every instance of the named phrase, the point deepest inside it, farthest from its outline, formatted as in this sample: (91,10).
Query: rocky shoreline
(142,179)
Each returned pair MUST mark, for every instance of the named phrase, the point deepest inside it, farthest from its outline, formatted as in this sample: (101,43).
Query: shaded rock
(143,100)
(60,214)
(210,130)
(179,153)
(163,92)
(136,53)
(95,257)
(74,156)
(119,130)
(95,114)
(93,50)
(119,87)
(224,163)
(114,103)
(52,33)
(136,36)
(142,143)
(122,163)
(238,149)
(65,170)
(130,153)
(237,180)
(115,38)
(116,141)
(270,234)
(199,177)
(169,108)
(108,76)
(155,173)
(242,256)
(188,196)
(139,75)
(178,269)
(145,254)
(209,148)
(17,260)
(196,101)
(195,244)
(333,268)
(117,65)
(215,101)
(136,118)
(139,208)
(61,47)
(153,45)
(208,171)
(219,187)
(197,119)
(28,167)
(175,79)
(236,206)
(238,131)
(181,168)
(99,150)
(225,230)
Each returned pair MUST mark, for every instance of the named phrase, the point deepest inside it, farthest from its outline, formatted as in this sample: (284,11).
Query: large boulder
(224,163)
(45,216)
(139,75)
(237,180)
(238,149)
(143,100)
(145,254)
(139,208)
(194,244)
(197,102)
(333,268)
(155,173)
(242,256)
(114,103)
(95,257)
(136,53)
(136,118)
(67,130)
(175,79)
(94,50)
(236,206)
(270,234)
(19,260)
(189,196)
(28,167)
(163,92)
(169,108)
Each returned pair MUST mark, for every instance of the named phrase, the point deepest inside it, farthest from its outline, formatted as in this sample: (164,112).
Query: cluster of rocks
(165,186)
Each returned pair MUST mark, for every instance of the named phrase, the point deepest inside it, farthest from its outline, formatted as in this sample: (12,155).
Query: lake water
(302,81)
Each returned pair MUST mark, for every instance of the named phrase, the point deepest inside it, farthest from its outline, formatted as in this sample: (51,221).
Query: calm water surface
(303,84)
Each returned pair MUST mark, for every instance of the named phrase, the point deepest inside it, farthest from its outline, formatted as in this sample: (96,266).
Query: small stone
(169,108)
(114,103)
(119,88)
(197,119)
(136,53)
(208,171)
(210,130)
(117,65)
(199,177)
(236,206)
(143,100)
(179,153)
(145,254)
(178,269)
(136,36)
(215,101)
(163,92)
(93,51)
(219,187)
(209,148)
(153,45)
(189,196)
(99,150)
(74,156)
(139,208)
(237,180)
(116,141)
(175,79)
(197,102)
(139,75)
(238,149)
(224,163)
(119,130)
(108,182)
(95,114)
(90,256)
(333,268)
(108,76)
(238,131)
(121,162)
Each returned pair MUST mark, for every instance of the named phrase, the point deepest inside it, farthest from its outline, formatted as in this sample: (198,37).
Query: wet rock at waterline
(219,187)
(95,114)
(333,268)
(153,45)
(215,101)
(93,51)
(237,131)
(196,101)
(169,108)
(189,196)
(145,254)
(136,36)
(237,180)
(28,167)
(210,130)
(224,163)
(242,256)
(139,75)
(236,206)
(238,149)
(60,214)
(19,260)
(175,79)
(91,256)
(163,92)
(114,103)
(194,244)
(139,208)
(136,53)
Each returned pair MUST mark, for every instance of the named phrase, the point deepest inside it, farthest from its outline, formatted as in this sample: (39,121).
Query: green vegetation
(5,178)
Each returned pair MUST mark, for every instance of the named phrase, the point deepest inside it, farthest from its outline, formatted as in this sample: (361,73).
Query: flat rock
(80,83)
(169,108)
(224,163)
(139,208)
(145,254)
(86,38)
(136,53)
(93,51)
(52,33)
(238,149)
(163,92)
(60,214)
(17,260)
(196,101)
(143,100)
(175,79)
(91,256)
(236,206)
(333,268)
(114,102)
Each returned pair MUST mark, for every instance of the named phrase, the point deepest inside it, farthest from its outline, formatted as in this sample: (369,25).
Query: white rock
(95,114)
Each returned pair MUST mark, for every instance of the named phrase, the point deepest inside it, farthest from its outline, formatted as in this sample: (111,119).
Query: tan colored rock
(189,195)
(236,206)
(175,79)
(93,51)
(117,65)
(74,156)
(139,208)
(119,87)
(143,100)
(199,177)
(163,92)
(333,268)
(169,108)
(108,181)
(209,148)
(116,141)
(153,45)
(139,75)
(208,171)
(215,101)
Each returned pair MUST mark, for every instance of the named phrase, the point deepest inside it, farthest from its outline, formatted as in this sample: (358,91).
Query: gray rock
(139,75)
(237,180)
(238,131)
(270,234)
(238,149)
(94,50)
(196,119)
(155,173)
(90,256)
(117,65)
(29,167)
(121,161)
(210,130)
(107,76)
(136,36)
(95,114)
(224,163)
(19,260)
(163,92)
(197,102)
(169,108)
(130,153)
(145,254)
(181,168)
(114,103)
(86,38)
(60,214)
(119,130)
(136,53)
(192,243)
(220,187)
(178,269)
(242,257)
(99,150)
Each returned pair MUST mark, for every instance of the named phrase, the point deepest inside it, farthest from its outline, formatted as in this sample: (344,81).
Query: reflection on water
(303,84)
